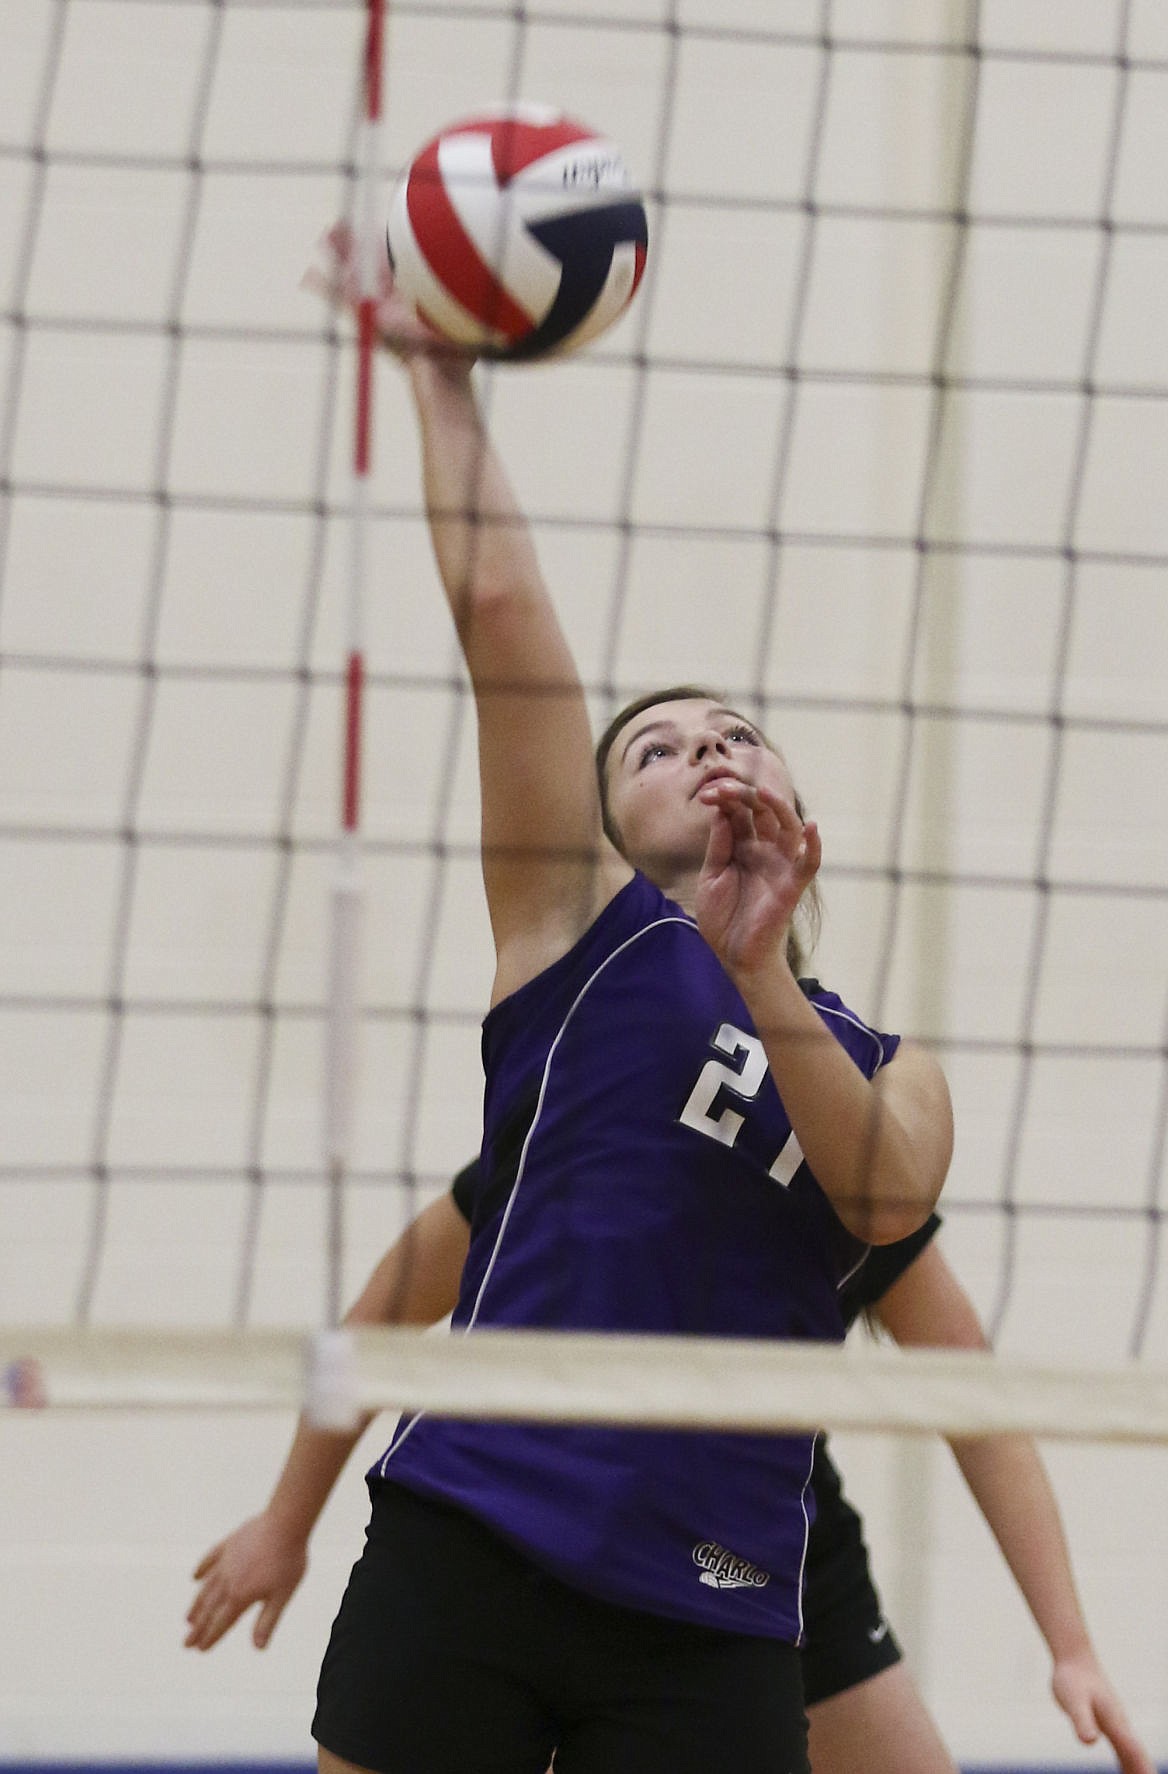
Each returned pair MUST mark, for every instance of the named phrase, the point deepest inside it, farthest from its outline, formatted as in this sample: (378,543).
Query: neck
(680,884)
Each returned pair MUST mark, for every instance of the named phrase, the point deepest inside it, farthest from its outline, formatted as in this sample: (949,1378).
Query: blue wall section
(309,1767)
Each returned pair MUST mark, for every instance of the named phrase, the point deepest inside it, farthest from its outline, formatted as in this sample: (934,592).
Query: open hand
(337,277)
(254,1564)
(759,859)
(1089,1701)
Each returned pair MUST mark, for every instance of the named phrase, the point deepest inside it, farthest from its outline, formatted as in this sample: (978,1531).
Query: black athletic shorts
(846,1637)
(453,1654)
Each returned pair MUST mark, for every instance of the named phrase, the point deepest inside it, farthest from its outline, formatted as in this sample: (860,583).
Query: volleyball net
(879,450)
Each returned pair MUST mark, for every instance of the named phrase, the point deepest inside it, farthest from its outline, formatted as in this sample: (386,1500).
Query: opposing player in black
(865,1712)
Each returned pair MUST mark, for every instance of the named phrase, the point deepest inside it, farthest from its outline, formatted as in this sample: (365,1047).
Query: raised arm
(547,867)
(927,1307)
(263,1560)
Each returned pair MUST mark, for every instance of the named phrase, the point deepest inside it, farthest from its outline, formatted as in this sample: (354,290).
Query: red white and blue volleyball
(518,233)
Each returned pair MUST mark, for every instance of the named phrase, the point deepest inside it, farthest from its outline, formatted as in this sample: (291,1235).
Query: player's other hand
(760,858)
(1093,1707)
(257,1563)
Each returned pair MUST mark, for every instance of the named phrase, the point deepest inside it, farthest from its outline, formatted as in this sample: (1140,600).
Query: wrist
(1078,1649)
(433,373)
(287,1523)
(768,986)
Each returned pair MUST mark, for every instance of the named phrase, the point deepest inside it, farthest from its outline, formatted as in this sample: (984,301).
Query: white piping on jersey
(855,1268)
(806,1532)
(690,924)
(846,1016)
(543,1086)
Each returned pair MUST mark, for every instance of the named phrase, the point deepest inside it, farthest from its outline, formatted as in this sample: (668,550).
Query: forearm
(1006,1475)
(480,537)
(315,1461)
(415,1282)
(542,833)
(317,1457)
(881,1172)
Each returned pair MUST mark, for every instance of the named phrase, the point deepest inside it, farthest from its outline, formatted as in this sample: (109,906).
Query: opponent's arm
(927,1307)
(263,1560)
(879,1147)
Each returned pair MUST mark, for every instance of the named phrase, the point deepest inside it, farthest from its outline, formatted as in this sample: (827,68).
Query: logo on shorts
(725,1570)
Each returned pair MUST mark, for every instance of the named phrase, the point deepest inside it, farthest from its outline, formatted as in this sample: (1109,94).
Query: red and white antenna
(348,885)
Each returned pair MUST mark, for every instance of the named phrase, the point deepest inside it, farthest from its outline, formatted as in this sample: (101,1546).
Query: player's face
(658,762)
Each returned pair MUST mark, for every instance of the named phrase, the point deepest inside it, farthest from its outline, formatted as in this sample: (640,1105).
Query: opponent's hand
(257,1563)
(759,859)
(1093,1707)
(337,277)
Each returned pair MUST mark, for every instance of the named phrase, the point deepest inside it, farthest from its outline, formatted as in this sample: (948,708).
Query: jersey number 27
(743,1081)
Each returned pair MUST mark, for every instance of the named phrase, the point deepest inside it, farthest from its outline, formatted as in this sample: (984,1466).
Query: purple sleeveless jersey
(639,1173)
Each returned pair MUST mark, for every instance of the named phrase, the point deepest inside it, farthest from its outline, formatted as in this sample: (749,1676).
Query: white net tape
(660,1382)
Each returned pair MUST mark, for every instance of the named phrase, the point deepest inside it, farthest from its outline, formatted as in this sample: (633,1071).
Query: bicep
(912,1085)
(545,858)
(928,1308)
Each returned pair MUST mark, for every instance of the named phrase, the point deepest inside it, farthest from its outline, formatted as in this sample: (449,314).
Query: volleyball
(518,233)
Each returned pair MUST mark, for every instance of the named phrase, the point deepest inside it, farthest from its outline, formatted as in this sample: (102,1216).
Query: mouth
(720,775)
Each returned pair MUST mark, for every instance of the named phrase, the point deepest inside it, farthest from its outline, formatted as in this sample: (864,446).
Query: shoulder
(871,1048)
(531,948)
(552,972)
(915,1073)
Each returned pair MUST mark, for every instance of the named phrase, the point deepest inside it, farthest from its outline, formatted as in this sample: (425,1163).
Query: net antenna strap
(341,1060)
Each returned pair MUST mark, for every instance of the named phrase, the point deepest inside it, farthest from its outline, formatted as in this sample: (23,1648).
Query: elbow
(492,612)
(886,1214)
(888,1223)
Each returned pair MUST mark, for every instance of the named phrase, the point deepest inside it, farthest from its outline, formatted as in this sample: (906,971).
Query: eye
(656,748)
(743,734)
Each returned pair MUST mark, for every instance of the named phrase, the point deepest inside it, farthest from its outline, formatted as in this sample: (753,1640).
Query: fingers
(205,1563)
(265,1624)
(337,274)
(216,1606)
(1093,1707)
(1130,1753)
(752,810)
(202,1628)
(212,1613)
(719,844)
(731,791)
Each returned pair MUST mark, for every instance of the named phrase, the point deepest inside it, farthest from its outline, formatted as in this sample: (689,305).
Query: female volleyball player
(677,1140)
(536,1662)
(865,1713)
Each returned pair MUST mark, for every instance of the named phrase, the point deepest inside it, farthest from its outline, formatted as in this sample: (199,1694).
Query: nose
(709,744)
